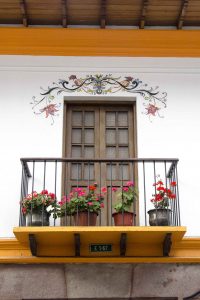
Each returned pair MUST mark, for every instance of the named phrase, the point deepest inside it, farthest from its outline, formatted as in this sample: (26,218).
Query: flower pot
(159,217)
(124,219)
(38,218)
(84,218)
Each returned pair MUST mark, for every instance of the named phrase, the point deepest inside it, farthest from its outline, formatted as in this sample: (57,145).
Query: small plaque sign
(100,247)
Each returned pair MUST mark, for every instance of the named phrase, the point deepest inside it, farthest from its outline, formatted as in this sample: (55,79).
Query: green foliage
(125,197)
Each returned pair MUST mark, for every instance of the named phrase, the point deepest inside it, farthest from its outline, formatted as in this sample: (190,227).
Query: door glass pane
(111,172)
(76,136)
(76,171)
(89,136)
(76,118)
(123,152)
(110,152)
(89,118)
(110,119)
(76,151)
(88,172)
(123,136)
(110,136)
(123,118)
(88,152)
(123,172)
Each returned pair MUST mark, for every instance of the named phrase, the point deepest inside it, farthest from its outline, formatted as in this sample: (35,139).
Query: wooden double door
(99,132)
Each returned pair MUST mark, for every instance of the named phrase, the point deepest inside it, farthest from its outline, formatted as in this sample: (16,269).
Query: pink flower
(104,189)
(114,189)
(125,189)
(23,210)
(64,199)
(90,203)
(102,205)
(78,189)
(81,194)
(130,183)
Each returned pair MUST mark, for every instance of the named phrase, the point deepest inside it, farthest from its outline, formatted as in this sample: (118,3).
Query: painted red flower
(151,109)
(50,109)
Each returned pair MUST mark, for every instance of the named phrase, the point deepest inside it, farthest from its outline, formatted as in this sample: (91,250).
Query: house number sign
(100,247)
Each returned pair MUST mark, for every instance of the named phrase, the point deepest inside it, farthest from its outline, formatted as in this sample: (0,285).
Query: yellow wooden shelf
(134,241)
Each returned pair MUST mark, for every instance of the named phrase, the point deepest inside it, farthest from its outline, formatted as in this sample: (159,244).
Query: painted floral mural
(99,84)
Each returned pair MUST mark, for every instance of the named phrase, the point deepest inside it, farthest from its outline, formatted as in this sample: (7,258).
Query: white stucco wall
(24,134)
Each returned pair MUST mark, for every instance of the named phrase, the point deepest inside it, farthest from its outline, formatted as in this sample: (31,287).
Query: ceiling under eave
(102,13)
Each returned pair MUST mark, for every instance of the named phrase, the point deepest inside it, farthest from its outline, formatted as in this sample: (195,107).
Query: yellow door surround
(98,42)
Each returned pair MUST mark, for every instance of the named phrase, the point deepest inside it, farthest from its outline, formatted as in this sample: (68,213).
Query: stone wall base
(98,281)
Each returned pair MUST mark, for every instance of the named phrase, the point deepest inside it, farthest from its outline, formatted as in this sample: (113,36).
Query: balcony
(66,238)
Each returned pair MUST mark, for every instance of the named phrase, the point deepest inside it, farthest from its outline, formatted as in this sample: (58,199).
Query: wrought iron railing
(61,175)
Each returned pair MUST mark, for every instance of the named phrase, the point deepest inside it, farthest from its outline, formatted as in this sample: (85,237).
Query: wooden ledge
(75,241)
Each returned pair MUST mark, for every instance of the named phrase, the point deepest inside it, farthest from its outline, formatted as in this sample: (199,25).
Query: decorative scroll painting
(99,84)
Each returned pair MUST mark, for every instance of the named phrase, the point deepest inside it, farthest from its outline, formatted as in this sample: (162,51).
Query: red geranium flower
(163,194)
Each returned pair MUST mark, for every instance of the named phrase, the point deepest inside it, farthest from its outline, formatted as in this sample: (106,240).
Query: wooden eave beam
(64,13)
(103,14)
(143,14)
(182,14)
(98,42)
(24,13)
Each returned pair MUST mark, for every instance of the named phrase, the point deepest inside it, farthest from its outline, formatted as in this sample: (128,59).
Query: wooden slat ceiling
(102,13)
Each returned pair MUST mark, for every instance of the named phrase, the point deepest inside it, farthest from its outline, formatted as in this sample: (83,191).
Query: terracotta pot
(84,218)
(159,217)
(37,218)
(124,219)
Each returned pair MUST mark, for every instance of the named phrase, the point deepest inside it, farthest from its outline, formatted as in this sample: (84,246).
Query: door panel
(100,131)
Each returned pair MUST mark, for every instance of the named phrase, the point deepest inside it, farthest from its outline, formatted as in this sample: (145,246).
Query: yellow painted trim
(185,251)
(98,42)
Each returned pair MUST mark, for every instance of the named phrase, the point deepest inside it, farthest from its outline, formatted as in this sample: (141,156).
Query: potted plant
(84,204)
(37,208)
(161,214)
(125,199)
